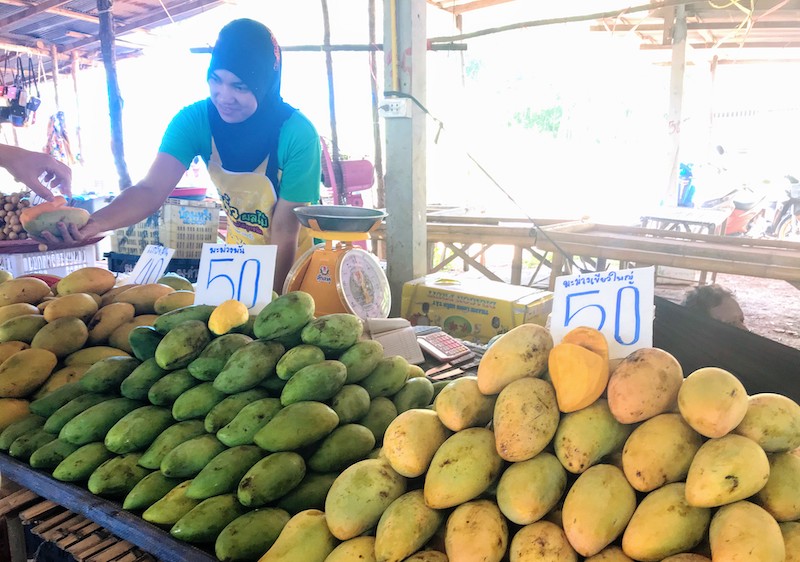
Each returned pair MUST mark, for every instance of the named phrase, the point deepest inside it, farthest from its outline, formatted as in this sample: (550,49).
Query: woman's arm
(284,231)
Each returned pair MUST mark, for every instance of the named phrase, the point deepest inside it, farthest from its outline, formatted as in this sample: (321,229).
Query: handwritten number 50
(637,321)
(237,287)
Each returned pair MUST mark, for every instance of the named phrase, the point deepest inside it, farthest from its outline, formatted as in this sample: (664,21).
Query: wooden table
(685,219)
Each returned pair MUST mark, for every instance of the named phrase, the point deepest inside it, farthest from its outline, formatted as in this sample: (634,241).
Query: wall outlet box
(392,108)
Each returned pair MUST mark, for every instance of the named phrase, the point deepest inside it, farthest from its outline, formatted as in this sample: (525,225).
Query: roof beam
(453,7)
(58,12)
(30,12)
(732,45)
(700,26)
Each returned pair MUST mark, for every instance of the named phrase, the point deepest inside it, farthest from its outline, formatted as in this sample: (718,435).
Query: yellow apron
(248,199)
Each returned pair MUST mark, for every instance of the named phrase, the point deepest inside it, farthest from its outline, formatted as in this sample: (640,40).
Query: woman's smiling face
(234,101)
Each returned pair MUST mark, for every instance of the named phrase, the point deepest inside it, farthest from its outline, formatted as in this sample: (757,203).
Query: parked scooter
(786,222)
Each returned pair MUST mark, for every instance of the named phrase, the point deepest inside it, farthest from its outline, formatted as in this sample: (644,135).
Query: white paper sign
(151,266)
(241,272)
(618,303)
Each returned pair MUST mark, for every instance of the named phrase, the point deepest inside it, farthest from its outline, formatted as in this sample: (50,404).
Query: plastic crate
(180,224)
(124,263)
(54,262)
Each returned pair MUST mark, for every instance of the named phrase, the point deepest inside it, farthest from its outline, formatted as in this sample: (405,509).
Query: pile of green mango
(222,439)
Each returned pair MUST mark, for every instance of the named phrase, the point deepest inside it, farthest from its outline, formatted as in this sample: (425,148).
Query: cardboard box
(473,309)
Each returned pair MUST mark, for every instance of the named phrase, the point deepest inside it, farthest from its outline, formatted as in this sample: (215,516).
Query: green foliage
(547,120)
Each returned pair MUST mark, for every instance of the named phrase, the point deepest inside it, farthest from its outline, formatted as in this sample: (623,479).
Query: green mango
(60,417)
(206,521)
(273,385)
(297,358)
(94,422)
(177,282)
(197,402)
(78,466)
(29,423)
(169,509)
(143,341)
(168,439)
(248,366)
(199,312)
(351,403)
(49,403)
(210,362)
(361,359)
(224,412)
(188,458)
(250,535)
(182,344)
(296,426)
(250,419)
(117,476)
(107,374)
(381,413)
(270,478)
(223,473)
(344,446)
(333,333)
(136,385)
(138,429)
(387,378)
(285,315)
(416,393)
(166,390)
(23,446)
(21,328)
(149,490)
(319,382)
(49,456)
(309,494)
(438,386)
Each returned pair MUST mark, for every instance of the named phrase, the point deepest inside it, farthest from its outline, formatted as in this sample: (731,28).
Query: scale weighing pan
(339,218)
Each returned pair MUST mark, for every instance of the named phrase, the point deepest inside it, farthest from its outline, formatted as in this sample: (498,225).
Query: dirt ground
(771,307)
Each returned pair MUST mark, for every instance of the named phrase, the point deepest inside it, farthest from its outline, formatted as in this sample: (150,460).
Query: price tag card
(618,303)
(151,265)
(241,272)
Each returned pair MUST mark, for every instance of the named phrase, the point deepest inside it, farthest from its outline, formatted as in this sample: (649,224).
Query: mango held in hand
(46,216)
(227,316)
(521,352)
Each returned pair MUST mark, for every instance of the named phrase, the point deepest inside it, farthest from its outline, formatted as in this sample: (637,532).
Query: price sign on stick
(618,303)
(240,272)
(151,265)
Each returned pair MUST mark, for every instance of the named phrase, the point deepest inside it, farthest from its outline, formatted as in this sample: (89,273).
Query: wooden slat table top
(109,515)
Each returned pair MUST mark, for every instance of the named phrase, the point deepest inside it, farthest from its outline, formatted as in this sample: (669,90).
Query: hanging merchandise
(58,145)
(22,103)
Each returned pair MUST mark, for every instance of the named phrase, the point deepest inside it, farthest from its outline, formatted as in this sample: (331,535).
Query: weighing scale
(341,277)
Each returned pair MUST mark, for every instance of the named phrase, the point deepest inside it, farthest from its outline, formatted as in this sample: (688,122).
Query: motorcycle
(786,222)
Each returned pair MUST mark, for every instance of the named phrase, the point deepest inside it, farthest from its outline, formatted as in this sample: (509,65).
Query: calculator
(442,346)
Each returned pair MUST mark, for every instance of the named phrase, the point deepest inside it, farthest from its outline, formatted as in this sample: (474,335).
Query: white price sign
(618,303)
(241,272)
(151,266)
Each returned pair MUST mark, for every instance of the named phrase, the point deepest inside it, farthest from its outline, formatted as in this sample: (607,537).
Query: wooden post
(339,192)
(376,124)
(54,57)
(677,69)
(114,97)
(74,66)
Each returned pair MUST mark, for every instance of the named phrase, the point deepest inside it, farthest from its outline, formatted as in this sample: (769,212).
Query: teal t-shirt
(189,135)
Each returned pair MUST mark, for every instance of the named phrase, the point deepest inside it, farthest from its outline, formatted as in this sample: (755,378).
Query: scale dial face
(362,284)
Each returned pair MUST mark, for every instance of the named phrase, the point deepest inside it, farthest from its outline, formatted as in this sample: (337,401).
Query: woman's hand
(27,167)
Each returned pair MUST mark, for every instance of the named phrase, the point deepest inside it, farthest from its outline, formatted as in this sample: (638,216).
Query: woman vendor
(262,154)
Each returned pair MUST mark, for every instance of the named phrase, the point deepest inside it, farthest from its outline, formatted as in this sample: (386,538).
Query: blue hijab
(248,49)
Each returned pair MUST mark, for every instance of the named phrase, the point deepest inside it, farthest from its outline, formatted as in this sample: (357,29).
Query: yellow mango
(305,538)
(110,296)
(578,374)
(712,401)
(426,556)
(659,451)
(87,280)
(464,467)
(226,316)
(597,508)
(744,532)
(173,301)
(11,410)
(62,336)
(77,305)
(528,490)
(25,371)
(411,440)
(687,557)
(97,299)
(144,297)
(60,378)
(43,305)
(405,527)
(530,404)
(791,539)
(609,554)
(9,348)
(772,421)
(664,524)
(359,549)
(415,371)
(644,385)
(18,309)
(119,337)
(91,355)
(586,436)
(460,404)
(23,290)
(107,319)
(726,470)
(542,541)
(476,531)
(781,495)
(520,352)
